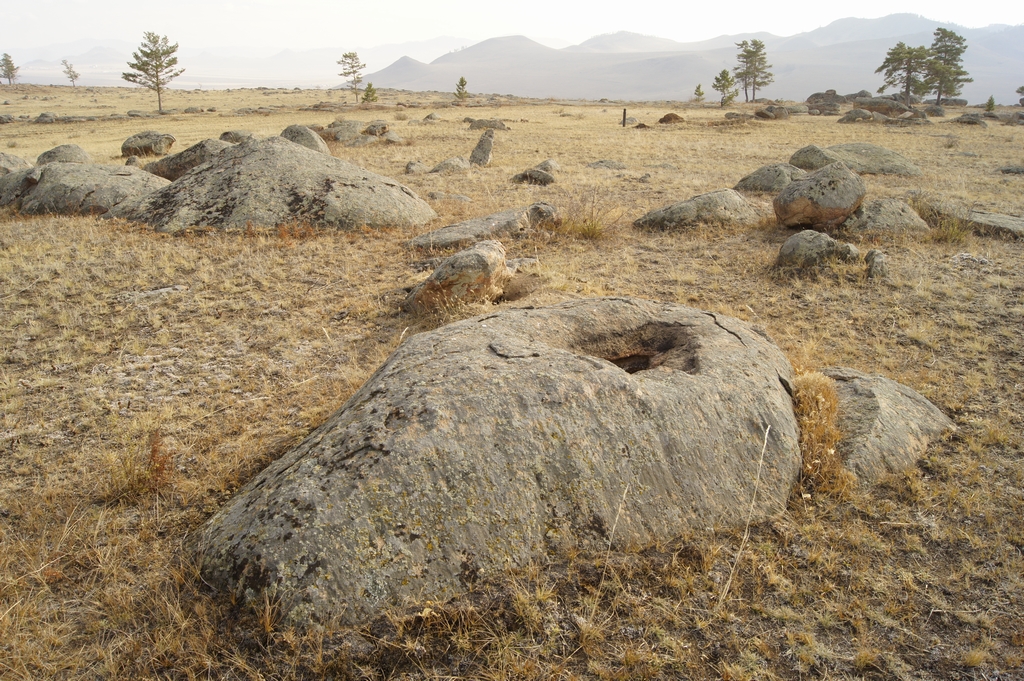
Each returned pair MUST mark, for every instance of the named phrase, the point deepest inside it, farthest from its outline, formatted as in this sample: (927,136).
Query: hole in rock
(646,347)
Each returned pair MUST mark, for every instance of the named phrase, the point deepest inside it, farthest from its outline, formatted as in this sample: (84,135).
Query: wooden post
(623,118)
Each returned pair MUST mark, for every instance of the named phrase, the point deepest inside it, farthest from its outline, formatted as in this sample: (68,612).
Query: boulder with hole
(265,183)
(478,273)
(722,207)
(822,199)
(886,426)
(489,442)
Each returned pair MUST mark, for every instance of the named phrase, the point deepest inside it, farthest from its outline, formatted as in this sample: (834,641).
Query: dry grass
(144,377)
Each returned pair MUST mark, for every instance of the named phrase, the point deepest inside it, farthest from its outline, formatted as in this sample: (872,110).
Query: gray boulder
(970,119)
(886,426)
(607,164)
(174,166)
(860,157)
(416,168)
(148,143)
(65,153)
(236,136)
(478,273)
(376,129)
(769,178)
(272,181)
(75,188)
(300,134)
(489,442)
(878,264)
(485,123)
(548,166)
(885,216)
(806,250)
(46,117)
(481,155)
(721,207)
(953,101)
(982,222)
(935,111)
(773,113)
(797,109)
(883,105)
(823,199)
(534,176)
(10,163)
(343,131)
(856,116)
(451,165)
(513,222)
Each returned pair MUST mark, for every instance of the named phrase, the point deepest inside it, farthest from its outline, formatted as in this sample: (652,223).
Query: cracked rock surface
(490,441)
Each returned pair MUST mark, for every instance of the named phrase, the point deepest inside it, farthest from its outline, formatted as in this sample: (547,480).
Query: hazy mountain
(841,56)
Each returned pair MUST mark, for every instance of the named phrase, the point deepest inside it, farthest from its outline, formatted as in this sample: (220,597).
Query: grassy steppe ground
(145,377)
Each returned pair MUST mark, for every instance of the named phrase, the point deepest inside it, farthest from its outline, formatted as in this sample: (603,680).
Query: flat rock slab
(860,157)
(514,221)
(486,443)
(265,183)
(886,216)
(75,188)
(886,426)
(982,222)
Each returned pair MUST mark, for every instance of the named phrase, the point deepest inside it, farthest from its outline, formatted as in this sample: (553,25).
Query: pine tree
(8,70)
(154,64)
(742,70)
(990,105)
(725,85)
(906,68)
(752,70)
(460,89)
(946,74)
(351,69)
(698,94)
(369,93)
(69,71)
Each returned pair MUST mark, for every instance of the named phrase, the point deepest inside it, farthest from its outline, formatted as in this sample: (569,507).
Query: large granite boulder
(721,207)
(174,166)
(512,222)
(809,249)
(486,443)
(478,273)
(10,163)
(300,134)
(65,153)
(860,157)
(75,188)
(822,199)
(886,426)
(769,178)
(148,143)
(885,216)
(882,105)
(268,182)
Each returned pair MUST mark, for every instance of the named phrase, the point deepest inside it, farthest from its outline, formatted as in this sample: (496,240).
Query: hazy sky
(304,24)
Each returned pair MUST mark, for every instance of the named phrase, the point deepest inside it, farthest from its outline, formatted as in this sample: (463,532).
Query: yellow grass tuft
(817,410)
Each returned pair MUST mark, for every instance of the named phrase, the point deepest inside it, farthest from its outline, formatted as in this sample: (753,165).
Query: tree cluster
(923,70)
(752,71)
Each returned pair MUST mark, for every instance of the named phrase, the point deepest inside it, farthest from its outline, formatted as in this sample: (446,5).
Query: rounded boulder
(824,198)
